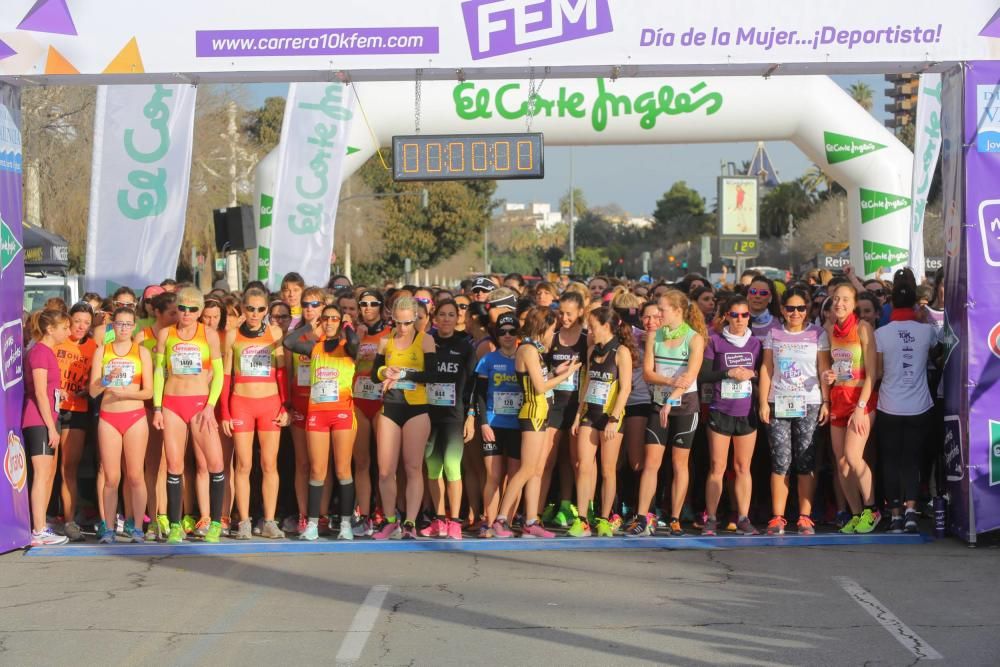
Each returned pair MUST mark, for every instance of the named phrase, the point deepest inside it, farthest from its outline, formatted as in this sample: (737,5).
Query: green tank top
(670,361)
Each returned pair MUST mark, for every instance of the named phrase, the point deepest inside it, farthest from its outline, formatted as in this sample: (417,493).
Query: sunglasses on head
(369,304)
(312,304)
(796,309)
(507,331)
(758,292)
(257,309)
(188,309)
(330,318)
(736,316)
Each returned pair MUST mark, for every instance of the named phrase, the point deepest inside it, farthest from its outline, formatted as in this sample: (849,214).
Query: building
(903,96)
(762,168)
(542,214)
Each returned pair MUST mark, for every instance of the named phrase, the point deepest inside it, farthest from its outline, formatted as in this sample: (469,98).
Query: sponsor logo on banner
(263,251)
(988,113)
(9,246)
(15,463)
(954,463)
(496,27)
(989,229)
(875,204)
(993,340)
(843,147)
(881,255)
(10,143)
(11,339)
(949,339)
(994,453)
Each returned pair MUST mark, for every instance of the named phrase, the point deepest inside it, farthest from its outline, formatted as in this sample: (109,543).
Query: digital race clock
(450,157)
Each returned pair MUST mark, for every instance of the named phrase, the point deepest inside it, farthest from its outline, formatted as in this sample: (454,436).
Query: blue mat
(327,546)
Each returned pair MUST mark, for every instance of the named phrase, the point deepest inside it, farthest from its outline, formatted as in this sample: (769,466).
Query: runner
(452,422)
(330,414)
(671,364)
(604,391)
(122,371)
(763,302)
(40,418)
(853,400)
(253,402)
(462,303)
(637,411)
(292,292)
(280,313)
(731,361)
(536,386)
(405,363)
(184,398)
(792,402)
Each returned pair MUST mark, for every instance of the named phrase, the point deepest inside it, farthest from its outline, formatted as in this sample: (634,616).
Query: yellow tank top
(124,370)
(331,377)
(187,357)
(149,339)
(412,359)
(535,405)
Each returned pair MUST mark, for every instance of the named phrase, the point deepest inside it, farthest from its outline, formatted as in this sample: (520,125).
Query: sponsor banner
(14,523)
(875,204)
(926,146)
(314,134)
(982,201)
(881,258)
(224,38)
(143,137)
(841,147)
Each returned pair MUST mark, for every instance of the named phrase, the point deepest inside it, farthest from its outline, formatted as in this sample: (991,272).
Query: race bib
(303,377)
(842,361)
(572,383)
(365,388)
(326,388)
(441,394)
(185,359)
(789,406)
(507,402)
(255,361)
(736,389)
(597,392)
(119,373)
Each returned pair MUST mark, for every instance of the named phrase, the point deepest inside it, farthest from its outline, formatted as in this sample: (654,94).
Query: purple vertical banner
(956,396)
(14,523)
(982,217)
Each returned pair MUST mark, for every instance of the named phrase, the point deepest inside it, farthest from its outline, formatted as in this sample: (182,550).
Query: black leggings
(901,448)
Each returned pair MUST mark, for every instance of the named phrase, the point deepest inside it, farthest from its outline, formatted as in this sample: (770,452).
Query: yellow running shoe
(176,535)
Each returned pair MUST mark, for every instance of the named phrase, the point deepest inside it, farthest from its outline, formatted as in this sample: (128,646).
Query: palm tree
(863,94)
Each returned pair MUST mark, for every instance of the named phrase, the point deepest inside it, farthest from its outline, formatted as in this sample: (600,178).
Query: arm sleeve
(218,380)
(159,379)
(352,343)
(296,342)
(707,374)
(378,367)
(227,384)
(281,375)
(470,378)
(480,392)
(430,372)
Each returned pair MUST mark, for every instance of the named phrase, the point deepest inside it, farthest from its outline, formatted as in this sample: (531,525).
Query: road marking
(361,627)
(895,627)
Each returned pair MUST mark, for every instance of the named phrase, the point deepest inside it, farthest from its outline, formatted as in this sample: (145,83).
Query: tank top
(331,375)
(74,359)
(412,359)
(567,392)
(364,386)
(671,361)
(602,381)
(126,367)
(187,358)
(848,358)
(254,359)
(149,339)
(534,405)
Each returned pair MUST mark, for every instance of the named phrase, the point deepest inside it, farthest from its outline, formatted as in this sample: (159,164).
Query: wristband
(402,374)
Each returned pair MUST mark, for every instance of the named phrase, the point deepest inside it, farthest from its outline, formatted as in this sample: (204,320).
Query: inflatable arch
(812,112)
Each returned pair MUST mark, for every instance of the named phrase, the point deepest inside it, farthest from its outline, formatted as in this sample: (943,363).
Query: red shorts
(324,421)
(843,400)
(123,421)
(185,407)
(368,407)
(250,414)
(300,408)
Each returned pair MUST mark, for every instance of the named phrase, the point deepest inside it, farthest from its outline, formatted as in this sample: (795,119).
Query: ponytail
(43,319)
(696,319)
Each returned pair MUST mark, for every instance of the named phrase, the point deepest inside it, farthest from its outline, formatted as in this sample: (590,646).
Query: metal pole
(486,247)
(232,257)
(572,210)
(347,261)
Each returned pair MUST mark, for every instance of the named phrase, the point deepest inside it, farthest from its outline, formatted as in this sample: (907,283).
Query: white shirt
(794,357)
(905,346)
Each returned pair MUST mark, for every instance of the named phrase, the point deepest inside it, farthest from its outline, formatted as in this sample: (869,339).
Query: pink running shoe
(535,529)
(301,524)
(387,531)
(437,528)
(501,529)
(453,531)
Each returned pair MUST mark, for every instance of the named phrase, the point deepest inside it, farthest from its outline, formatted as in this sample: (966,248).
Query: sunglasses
(480,290)
(423,300)
(329,318)
(370,304)
(878,292)
(759,292)
(258,309)
(507,332)
(734,315)
(124,304)
(123,325)
(281,317)
(312,304)
(796,309)
(405,323)
(462,306)
(188,309)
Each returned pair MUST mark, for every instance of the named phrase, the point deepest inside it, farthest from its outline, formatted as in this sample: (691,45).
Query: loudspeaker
(235,228)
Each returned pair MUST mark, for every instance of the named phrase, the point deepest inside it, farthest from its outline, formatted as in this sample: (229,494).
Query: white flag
(139,184)
(926,147)
(314,136)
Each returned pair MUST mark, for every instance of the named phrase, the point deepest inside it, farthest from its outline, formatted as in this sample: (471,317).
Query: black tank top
(567,393)
(602,381)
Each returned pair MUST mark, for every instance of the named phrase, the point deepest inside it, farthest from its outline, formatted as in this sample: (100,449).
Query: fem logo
(993,340)
(15,464)
(496,27)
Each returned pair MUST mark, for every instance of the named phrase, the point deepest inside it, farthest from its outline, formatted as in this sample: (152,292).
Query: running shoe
(244,530)
(566,514)
(201,528)
(501,529)
(776,526)
(641,527)
(867,522)
(378,517)
(324,525)
(73,532)
(188,523)
(910,522)
(454,529)
(107,537)
(591,516)
(711,527)
(699,520)
(436,528)
(603,528)
(226,524)
(851,526)
(409,530)
(580,528)
(732,525)
(258,528)
(616,524)
(291,523)
(137,536)
(100,527)
(300,524)
(128,527)
(675,528)
(485,532)
(47,538)
(362,526)
(214,532)
(272,531)
(120,524)
(745,527)
(346,529)
(388,530)
(842,519)
(176,535)
(897,524)
(517,522)
(549,513)
(805,525)
(56,524)
(535,529)
(311,531)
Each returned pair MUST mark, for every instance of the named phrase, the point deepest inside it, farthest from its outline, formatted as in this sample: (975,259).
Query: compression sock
(345,493)
(216,494)
(315,499)
(175,498)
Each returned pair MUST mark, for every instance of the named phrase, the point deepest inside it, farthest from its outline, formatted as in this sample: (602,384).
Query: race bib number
(185,359)
(789,406)
(304,375)
(119,373)
(326,388)
(365,388)
(441,394)
(507,402)
(572,383)
(597,392)
(736,389)
(255,361)
(842,360)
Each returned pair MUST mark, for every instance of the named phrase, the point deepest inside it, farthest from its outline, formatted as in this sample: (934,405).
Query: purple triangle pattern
(992,27)
(49,16)
(5,50)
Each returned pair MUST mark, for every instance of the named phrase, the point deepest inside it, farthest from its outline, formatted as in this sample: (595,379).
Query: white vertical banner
(926,147)
(143,137)
(314,135)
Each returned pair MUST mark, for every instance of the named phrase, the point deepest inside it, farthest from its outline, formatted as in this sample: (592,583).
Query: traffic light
(670,259)
(684,265)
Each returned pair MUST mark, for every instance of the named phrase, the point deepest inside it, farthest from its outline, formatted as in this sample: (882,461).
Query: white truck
(39,288)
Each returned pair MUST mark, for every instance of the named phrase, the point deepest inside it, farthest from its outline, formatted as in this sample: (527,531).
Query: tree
(589,261)
(594,230)
(264,124)
(680,215)
(863,94)
(579,204)
(788,199)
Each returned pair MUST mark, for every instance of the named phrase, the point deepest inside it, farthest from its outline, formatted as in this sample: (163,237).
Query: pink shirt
(41,356)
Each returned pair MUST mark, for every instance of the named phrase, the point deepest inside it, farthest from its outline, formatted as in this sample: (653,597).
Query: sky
(607,174)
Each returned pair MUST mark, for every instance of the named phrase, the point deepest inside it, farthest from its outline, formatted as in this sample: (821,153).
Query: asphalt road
(877,605)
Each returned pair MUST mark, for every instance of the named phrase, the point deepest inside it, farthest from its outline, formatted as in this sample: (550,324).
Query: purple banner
(982,251)
(496,27)
(315,42)
(14,523)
